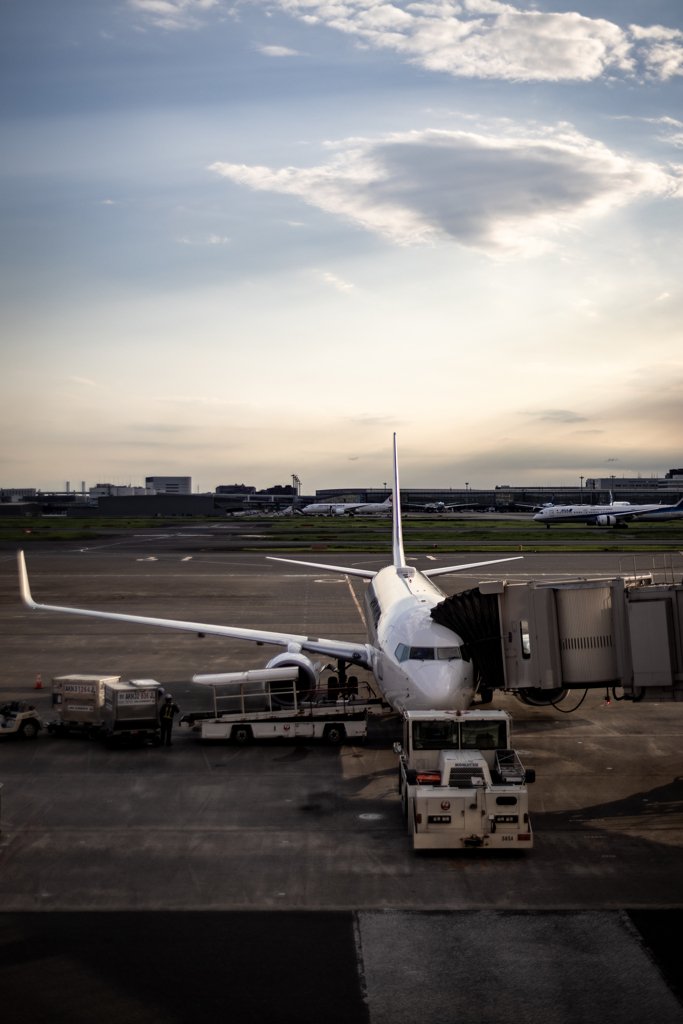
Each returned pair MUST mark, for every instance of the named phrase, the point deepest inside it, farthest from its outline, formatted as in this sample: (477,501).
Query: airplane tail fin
(398,556)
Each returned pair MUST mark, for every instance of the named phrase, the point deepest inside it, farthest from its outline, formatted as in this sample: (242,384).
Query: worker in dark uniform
(166,715)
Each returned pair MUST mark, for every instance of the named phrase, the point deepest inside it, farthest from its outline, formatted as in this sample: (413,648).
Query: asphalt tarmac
(248,881)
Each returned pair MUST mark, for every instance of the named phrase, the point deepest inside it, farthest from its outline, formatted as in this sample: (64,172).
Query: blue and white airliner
(608,515)
(416,662)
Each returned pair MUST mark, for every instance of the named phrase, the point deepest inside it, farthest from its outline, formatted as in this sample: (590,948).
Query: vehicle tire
(241,735)
(29,729)
(334,734)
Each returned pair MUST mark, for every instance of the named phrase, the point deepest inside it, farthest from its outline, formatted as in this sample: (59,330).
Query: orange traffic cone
(39,682)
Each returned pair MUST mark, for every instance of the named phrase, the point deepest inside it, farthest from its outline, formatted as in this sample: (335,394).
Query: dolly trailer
(461,783)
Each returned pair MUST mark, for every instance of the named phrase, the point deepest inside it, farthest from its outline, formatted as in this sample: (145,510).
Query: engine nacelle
(606,521)
(338,510)
(308,673)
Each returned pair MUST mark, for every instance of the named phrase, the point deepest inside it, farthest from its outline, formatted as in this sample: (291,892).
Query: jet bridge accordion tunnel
(542,639)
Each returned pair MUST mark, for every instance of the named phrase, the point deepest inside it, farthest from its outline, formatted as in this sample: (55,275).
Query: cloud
(84,380)
(279,51)
(188,399)
(488,39)
(209,240)
(336,282)
(160,428)
(560,416)
(172,14)
(509,193)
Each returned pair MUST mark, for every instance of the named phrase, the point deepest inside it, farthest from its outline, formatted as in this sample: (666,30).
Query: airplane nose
(445,687)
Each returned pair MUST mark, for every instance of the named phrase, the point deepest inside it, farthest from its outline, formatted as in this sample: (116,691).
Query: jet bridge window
(483,736)
(525,638)
(435,735)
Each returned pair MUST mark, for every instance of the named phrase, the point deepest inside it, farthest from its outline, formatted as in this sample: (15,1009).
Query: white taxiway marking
(355,599)
(188,558)
(150,559)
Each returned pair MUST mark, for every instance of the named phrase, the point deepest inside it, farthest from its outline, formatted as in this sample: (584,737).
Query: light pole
(581,478)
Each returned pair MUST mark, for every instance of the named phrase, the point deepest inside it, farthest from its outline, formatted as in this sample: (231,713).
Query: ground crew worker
(168,710)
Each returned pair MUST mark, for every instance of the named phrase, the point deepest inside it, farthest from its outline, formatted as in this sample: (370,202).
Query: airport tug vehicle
(461,783)
(20,717)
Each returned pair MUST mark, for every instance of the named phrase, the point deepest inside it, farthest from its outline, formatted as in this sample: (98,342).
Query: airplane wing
(366,573)
(471,565)
(357,653)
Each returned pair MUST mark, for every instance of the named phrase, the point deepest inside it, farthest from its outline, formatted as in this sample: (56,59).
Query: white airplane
(340,508)
(416,662)
(608,515)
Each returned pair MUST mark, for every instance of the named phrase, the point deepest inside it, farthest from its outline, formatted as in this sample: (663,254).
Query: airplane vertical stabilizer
(398,557)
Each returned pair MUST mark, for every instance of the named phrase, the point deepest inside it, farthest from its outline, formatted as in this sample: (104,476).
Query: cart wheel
(93,734)
(29,729)
(156,741)
(335,734)
(62,731)
(242,734)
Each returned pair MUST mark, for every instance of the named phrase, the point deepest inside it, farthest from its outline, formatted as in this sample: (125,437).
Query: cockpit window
(403,653)
(447,653)
(421,654)
(435,736)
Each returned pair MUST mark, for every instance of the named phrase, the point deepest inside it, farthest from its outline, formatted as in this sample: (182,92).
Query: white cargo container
(131,710)
(78,702)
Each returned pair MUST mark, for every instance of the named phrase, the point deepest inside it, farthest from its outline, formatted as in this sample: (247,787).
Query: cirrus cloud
(506,194)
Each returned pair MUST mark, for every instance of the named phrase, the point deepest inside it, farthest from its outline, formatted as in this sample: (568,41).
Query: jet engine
(535,697)
(606,521)
(308,676)
(338,510)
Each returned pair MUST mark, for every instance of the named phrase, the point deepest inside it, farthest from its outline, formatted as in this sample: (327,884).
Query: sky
(245,240)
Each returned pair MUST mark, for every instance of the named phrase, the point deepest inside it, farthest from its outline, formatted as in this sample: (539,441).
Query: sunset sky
(245,240)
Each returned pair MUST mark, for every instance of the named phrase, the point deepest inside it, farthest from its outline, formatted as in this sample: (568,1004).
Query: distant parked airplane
(614,514)
(348,508)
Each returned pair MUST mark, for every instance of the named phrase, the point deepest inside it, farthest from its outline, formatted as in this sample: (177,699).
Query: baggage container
(78,702)
(131,710)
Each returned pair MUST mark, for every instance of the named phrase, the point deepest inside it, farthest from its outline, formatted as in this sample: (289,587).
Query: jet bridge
(542,638)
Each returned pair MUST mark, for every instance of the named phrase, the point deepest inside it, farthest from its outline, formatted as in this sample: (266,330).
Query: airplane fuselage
(417,663)
(594,513)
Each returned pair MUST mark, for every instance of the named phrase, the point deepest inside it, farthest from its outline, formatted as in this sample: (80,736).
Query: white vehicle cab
(461,783)
(18,716)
